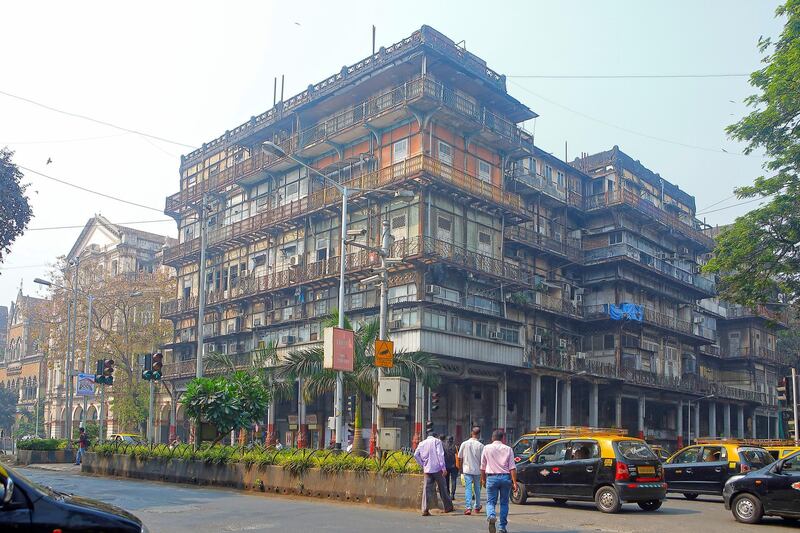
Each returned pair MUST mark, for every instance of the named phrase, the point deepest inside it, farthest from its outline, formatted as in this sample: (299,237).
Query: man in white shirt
(469,461)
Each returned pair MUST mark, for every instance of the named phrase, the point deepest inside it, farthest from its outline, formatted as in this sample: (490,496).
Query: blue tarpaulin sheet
(625,311)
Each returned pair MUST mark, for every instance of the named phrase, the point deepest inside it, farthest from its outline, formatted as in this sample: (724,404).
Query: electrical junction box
(389,439)
(393,392)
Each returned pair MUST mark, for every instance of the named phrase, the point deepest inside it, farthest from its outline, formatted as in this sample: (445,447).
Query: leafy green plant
(42,444)
(298,463)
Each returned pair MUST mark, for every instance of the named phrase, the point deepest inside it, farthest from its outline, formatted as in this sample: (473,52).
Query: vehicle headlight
(734,478)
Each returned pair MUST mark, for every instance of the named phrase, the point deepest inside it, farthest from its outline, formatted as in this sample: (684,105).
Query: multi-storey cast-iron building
(553,293)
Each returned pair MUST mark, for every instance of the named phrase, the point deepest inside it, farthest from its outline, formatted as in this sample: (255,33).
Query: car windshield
(635,449)
(755,457)
(523,447)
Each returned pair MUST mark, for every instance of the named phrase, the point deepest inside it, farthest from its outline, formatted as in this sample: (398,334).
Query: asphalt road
(181,508)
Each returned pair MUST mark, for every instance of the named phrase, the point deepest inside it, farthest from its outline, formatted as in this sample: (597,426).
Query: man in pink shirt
(430,456)
(499,476)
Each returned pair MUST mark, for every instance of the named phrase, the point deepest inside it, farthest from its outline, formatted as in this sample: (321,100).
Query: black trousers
(434,482)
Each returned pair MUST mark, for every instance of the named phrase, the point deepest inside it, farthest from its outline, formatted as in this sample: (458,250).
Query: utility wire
(623,76)
(95,120)
(135,222)
(733,205)
(622,128)
(67,140)
(90,190)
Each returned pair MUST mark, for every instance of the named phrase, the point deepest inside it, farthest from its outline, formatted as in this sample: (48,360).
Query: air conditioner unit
(396,324)
(432,289)
(537,339)
(288,339)
(494,335)
(562,343)
(294,260)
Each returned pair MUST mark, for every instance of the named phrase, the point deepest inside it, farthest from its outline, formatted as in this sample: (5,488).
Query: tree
(15,210)
(125,324)
(229,402)
(308,364)
(8,407)
(758,257)
(26,425)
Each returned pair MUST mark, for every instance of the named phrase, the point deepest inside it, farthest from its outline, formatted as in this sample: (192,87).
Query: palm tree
(362,381)
(261,362)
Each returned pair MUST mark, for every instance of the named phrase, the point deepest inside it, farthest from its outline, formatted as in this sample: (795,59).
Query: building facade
(120,269)
(22,367)
(552,293)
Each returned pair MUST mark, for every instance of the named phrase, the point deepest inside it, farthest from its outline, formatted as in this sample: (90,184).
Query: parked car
(607,469)
(126,438)
(703,468)
(772,490)
(28,506)
(660,452)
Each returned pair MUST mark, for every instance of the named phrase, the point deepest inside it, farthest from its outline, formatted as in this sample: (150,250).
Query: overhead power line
(627,130)
(623,76)
(95,120)
(85,189)
(133,223)
(733,205)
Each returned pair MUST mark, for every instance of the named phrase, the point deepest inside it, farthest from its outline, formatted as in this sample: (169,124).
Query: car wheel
(690,495)
(560,501)
(519,496)
(747,509)
(650,505)
(607,499)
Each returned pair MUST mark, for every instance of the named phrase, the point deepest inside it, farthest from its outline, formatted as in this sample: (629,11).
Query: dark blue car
(773,490)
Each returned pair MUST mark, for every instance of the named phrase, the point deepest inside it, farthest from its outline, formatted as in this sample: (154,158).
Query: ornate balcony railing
(418,166)
(613,251)
(687,383)
(650,316)
(739,311)
(762,352)
(567,247)
(630,198)
(357,116)
(540,183)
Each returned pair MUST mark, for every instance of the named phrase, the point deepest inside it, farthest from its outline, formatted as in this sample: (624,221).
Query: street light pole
(71,354)
(86,367)
(339,399)
(201,305)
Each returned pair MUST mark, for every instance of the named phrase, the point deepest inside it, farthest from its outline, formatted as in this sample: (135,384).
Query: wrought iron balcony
(600,311)
(631,199)
(565,247)
(698,282)
(733,311)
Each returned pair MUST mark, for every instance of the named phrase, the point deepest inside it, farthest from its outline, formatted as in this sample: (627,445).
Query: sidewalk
(57,467)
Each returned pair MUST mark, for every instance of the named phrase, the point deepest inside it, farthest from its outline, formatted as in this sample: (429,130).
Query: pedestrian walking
(450,453)
(430,456)
(499,476)
(83,444)
(469,460)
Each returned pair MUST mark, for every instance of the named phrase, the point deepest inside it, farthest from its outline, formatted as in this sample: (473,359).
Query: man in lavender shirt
(499,476)
(430,456)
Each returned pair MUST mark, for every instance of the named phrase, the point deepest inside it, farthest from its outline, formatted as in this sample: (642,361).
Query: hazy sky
(187,71)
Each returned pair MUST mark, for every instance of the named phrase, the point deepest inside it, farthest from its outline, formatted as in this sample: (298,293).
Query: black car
(609,470)
(772,490)
(704,468)
(28,506)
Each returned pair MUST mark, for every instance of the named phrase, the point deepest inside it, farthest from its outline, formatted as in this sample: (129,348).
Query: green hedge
(42,444)
(296,461)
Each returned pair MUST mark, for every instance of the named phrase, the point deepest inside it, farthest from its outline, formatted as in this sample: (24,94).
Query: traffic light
(351,404)
(351,429)
(157,363)
(435,397)
(147,372)
(783,389)
(98,372)
(429,427)
(108,372)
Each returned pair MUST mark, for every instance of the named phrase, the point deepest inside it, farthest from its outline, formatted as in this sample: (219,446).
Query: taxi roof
(575,431)
(727,441)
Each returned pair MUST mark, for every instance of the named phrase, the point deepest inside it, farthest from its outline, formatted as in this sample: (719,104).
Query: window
(482,330)
(484,170)
(548,172)
(608,342)
(445,153)
(691,455)
(610,184)
(434,320)
(560,178)
(357,300)
(399,222)
(585,450)
(757,458)
(485,242)
(322,249)
(714,454)
(615,237)
(400,150)
(554,452)
(510,335)
(462,325)
(597,187)
(635,449)
(444,229)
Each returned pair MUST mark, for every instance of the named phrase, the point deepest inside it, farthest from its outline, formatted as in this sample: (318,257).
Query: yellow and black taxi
(661,452)
(28,506)
(609,469)
(772,490)
(778,449)
(704,467)
(529,443)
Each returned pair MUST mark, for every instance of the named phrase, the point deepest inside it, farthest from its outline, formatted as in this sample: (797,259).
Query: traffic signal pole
(101,415)
(150,412)
(794,406)
(86,367)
